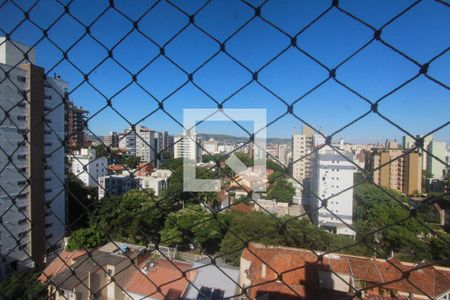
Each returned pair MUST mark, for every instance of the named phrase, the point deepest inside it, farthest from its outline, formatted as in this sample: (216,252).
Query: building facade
(76,118)
(87,167)
(396,169)
(434,166)
(32,182)
(112,140)
(187,147)
(409,142)
(332,180)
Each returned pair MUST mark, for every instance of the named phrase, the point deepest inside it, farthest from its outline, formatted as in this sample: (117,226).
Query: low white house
(157,181)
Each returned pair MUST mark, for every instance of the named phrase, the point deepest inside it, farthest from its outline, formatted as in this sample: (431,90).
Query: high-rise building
(145,143)
(31,160)
(76,117)
(394,168)
(112,140)
(87,167)
(186,146)
(283,154)
(332,176)
(302,146)
(434,166)
(409,142)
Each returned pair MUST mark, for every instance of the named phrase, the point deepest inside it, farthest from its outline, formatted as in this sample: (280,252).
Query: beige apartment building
(394,169)
(302,145)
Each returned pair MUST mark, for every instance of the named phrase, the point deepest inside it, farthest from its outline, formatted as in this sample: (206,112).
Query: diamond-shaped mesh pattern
(161,78)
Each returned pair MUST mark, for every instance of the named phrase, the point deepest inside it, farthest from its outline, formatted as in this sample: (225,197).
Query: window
(22,234)
(47,225)
(23,246)
(22,222)
(22,196)
(22,209)
(21,118)
(48,236)
(22,183)
(21,78)
(22,156)
(49,97)
(48,144)
(46,108)
(48,191)
(47,179)
(21,144)
(22,104)
(48,132)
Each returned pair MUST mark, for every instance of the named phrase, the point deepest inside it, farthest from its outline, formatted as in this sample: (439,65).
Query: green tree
(137,217)
(89,237)
(264,228)
(81,201)
(23,285)
(281,190)
(192,225)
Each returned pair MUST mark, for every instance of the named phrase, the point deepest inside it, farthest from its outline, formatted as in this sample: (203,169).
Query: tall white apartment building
(32,160)
(332,174)
(283,154)
(87,167)
(434,166)
(144,143)
(127,142)
(409,142)
(187,147)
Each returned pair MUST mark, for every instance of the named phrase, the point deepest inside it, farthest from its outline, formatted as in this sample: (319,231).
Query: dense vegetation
(22,285)
(180,219)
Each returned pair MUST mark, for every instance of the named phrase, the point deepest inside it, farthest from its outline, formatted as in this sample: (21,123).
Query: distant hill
(239,139)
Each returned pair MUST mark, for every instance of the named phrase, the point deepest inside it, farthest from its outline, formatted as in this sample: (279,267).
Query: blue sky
(421,33)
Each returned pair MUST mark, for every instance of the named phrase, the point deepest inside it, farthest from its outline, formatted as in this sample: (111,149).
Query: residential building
(302,146)
(210,147)
(439,151)
(87,167)
(104,273)
(332,180)
(157,181)
(160,279)
(283,154)
(31,160)
(409,142)
(145,143)
(213,280)
(186,147)
(112,139)
(115,185)
(396,168)
(336,276)
(76,118)
(127,142)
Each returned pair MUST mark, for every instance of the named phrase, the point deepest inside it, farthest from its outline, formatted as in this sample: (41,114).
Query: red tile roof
(60,263)
(300,267)
(164,274)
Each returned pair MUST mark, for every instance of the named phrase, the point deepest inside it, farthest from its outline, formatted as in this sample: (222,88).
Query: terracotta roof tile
(164,275)
(299,269)
(60,263)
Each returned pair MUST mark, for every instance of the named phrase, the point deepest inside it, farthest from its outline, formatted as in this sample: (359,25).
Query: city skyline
(290,76)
